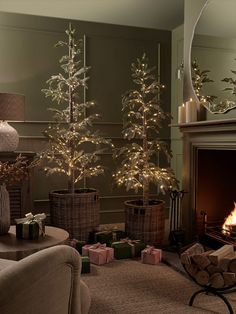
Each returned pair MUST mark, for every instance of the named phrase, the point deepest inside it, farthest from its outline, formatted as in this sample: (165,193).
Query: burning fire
(230,221)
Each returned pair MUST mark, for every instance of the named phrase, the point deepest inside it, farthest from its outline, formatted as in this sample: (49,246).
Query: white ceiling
(157,14)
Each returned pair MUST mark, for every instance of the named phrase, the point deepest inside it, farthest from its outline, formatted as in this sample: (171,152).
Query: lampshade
(11,108)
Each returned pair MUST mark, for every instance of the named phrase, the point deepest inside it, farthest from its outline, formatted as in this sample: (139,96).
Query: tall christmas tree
(72,129)
(143,117)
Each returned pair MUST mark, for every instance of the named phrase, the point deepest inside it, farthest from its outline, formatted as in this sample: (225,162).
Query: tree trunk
(71,184)
(145,157)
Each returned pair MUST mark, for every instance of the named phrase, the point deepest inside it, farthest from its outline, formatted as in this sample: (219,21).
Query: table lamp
(11,109)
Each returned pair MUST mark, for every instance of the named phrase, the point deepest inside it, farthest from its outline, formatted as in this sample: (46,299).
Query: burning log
(230,222)
(211,268)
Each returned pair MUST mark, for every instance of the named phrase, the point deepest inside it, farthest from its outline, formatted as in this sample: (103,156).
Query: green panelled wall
(177,98)
(28,58)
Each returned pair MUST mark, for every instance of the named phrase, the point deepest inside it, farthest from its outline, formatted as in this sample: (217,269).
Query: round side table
(16,249)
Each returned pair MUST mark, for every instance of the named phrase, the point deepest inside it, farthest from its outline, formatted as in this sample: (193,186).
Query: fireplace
(209,177)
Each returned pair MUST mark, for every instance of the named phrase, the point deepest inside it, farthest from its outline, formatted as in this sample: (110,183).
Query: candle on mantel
(181,114)
(191,111)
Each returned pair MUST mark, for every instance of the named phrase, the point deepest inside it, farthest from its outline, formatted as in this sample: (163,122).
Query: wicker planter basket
(77,213)
(146,223)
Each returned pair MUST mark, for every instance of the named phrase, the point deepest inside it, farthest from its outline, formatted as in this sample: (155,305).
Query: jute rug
(130,287)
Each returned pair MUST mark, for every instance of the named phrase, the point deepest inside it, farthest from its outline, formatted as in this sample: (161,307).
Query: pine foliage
(143,118)
(71,134)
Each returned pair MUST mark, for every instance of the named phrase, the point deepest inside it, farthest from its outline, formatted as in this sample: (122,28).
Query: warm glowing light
(230,220)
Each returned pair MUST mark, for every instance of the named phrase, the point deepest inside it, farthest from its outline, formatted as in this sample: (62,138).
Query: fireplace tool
(177,234)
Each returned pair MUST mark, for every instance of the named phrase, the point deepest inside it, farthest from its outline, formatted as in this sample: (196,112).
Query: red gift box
(150,255)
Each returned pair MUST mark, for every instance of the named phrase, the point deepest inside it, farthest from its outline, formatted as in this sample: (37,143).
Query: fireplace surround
(209,173)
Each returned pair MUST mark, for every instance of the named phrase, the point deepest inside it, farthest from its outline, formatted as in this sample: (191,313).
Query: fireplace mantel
(197,136)
(204,125)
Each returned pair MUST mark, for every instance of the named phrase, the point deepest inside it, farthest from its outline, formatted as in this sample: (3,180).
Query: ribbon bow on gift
(149,249)
(29,217)
(127,240)
(98,246)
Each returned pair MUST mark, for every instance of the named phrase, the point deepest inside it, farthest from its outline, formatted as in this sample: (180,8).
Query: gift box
(31,227)
(150,255)
(98,253)
(86,247)
(85,265)
(126,248)
(91,236)
(29,231)
(77,244)
(101,255)
(117,235)
(103,237)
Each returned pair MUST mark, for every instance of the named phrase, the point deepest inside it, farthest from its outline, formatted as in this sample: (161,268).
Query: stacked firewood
(215,268)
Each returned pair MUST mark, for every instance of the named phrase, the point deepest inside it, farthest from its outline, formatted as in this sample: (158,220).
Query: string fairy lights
(72,129)
(143,117)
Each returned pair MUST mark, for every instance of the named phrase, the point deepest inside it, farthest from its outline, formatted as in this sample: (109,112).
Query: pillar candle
(191,111)
(181,114)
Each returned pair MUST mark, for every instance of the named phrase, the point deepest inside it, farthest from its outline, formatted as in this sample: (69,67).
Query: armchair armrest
(45,282)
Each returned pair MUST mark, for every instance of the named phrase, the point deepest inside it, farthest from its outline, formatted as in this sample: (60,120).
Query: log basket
(77,213)
(145,222)
(208,289)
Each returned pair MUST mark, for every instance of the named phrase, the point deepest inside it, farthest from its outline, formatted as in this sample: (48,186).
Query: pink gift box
(85,249)
(150,255)
(101,255)
(98,253)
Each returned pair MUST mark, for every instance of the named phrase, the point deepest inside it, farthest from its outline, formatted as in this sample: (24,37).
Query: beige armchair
(45,282)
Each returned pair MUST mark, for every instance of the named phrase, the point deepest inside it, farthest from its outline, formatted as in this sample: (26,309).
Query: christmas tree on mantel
(74,147)
(143,117)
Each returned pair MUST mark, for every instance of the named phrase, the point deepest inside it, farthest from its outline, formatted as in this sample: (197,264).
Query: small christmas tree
(199,79)
(143,117)
(232,82)
(72,131)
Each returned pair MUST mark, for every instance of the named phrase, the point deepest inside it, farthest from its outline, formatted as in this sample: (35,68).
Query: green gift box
(29,230)
(91,236)
(103,237)
(78,246)
(85,265)
(118,234)
(128,248)
(30,227)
